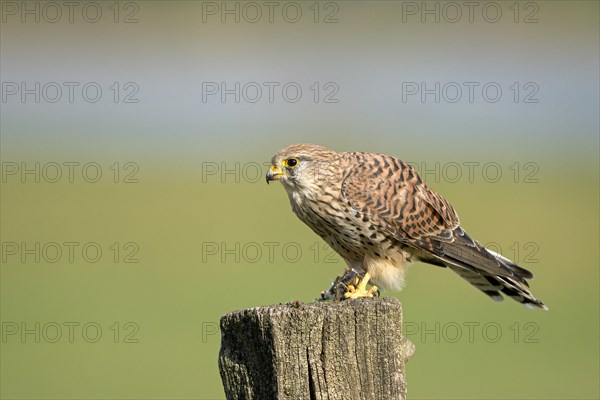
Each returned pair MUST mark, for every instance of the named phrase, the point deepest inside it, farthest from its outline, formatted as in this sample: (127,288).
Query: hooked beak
(274,174)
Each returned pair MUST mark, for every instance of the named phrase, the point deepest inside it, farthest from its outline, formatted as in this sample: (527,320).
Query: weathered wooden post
(327,350)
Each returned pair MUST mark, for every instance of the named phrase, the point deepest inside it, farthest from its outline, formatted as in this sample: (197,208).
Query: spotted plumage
(379,216)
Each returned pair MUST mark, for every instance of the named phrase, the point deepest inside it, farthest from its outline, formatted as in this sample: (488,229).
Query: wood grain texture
(330,350)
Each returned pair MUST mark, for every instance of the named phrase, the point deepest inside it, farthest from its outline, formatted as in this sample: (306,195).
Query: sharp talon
(360,290)
(349,286)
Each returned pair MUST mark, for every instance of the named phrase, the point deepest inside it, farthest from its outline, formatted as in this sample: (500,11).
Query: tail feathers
(467,253)
(493,286)
(520,293)
(488,271)
(519,271)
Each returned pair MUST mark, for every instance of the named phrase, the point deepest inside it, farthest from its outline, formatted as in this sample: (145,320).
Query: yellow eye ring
(291,163)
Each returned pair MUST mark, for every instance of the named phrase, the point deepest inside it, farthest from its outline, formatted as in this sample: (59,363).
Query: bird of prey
(377,213)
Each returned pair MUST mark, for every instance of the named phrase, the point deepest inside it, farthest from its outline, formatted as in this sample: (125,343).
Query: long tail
(493,286)
(488,271)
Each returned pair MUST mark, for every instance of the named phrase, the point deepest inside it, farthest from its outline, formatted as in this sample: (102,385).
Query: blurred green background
(188,230)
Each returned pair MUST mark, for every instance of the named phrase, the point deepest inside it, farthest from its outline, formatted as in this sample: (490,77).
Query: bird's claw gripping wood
(348,286)
(359,289)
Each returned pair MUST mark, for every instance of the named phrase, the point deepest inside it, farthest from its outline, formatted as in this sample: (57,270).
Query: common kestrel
(379,216)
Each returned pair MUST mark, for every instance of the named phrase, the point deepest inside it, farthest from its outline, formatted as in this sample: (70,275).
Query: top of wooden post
(326,350)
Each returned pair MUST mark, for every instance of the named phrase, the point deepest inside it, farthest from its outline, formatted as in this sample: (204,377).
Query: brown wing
(391,193)
(395,200)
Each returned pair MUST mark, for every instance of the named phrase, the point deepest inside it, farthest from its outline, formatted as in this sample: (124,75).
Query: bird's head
(302,166)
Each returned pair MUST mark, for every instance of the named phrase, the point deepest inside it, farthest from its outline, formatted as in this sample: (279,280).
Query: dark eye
(291,162)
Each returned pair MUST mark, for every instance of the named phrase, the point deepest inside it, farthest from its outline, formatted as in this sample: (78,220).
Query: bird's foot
(349,286)
(359,289)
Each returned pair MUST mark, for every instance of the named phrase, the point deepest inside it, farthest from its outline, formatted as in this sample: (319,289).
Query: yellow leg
(361,291)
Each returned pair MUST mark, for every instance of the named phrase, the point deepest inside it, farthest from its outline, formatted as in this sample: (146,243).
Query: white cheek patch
(298,172)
